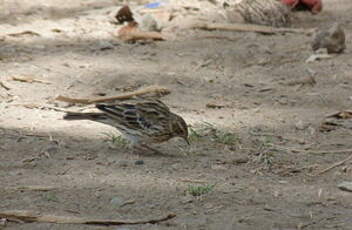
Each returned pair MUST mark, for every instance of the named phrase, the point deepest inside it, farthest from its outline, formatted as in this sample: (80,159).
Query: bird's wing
(147,116)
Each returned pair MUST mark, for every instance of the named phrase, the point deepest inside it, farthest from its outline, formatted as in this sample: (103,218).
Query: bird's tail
(84,116)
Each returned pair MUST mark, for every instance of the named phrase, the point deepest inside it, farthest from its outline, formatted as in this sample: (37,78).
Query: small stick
(30,216)
(128,202)
(141,35)
(192,181)
(29,80)
(248,28)
(33,188)
(334,165)
(4,86)
(151,89)
(26,32)
(329,151)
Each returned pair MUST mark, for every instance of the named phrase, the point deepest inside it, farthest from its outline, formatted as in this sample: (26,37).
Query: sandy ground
(257,150)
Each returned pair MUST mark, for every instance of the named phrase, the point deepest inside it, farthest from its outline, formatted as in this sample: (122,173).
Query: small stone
(123,163)
(176,166)
(139,162)
(116,201)
(300,125)
(345,186)
(187,199)
(105,45)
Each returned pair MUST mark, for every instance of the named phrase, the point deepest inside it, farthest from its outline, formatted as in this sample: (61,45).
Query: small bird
(141,121)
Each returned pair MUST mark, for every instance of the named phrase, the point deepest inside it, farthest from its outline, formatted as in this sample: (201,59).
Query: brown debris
(26,32)
(124,15)
(131,33)
(214,105)
(32,216)
(310,81)
(39,188)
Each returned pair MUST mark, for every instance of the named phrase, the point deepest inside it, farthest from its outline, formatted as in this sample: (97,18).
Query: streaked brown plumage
(141,121)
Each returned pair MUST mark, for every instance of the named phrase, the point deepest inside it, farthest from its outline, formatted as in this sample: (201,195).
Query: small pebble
(139,162)
(116,201)
(122,163)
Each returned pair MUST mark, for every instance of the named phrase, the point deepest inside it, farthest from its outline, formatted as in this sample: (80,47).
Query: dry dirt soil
(253,163)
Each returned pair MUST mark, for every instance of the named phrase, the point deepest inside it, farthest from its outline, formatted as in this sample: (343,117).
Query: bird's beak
(186,139)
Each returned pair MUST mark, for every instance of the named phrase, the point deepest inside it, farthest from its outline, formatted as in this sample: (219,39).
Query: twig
(29,79)
(26,32)
(160,91)
(334,165)
(329,151)
(39,188)
(31,216)
(248,28)
(128,202)
(4,86)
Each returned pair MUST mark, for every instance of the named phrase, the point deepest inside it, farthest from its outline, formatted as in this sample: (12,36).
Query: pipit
(142,121)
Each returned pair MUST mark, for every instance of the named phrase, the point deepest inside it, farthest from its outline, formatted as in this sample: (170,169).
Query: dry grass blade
(328,151)
(29,79)
(2,84)
(151,90)
(39,188)
(26,32)
(334,165)
(31,216)
(249,28)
